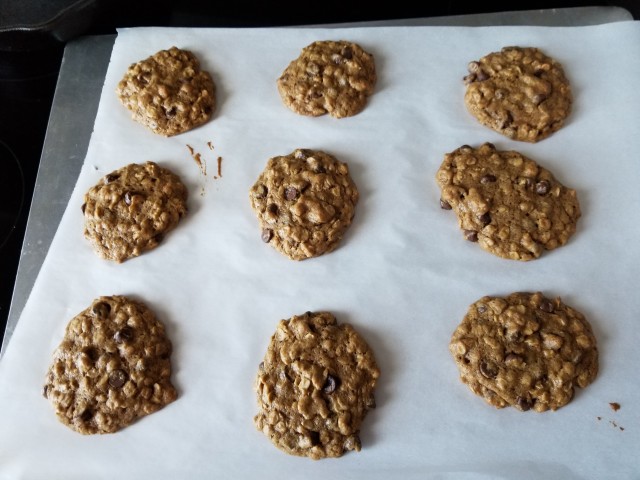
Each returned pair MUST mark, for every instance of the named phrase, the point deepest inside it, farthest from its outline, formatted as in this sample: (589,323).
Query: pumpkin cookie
(507,203)
(112,367)
(518,92)
(315,386)
(131,209)
(334,77)
(168,93)
(525,351)
(305,202)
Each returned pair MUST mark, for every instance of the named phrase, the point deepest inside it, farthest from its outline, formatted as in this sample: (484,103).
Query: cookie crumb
(599,418)
(615,406)
(210,145)
(219,167)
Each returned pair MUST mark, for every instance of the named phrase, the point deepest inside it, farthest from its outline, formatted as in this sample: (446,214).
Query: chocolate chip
(267,235)
(543,187)
(171,112)
(111,177)
(92,353)
(488,370)
(159,237)
(291,193)
(489,145)
(127,198)
(471,235)
(481,76)
(45,391)
(101,309)
(524,404)
(83,207)
(347,53)
(331,384)
(123,335)
(481,308)
(508,120)
(485,218)
(117,378)
(488,178)
(538,98)
(86,415)
(272,208)
(445,205)
(314,437)
(320,169)
(546,306)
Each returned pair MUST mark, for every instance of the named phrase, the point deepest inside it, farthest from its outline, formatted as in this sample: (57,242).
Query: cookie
(315,386)
(518,92)
(305,202)
(334,77)
(512,207)
(525,351)
(112,367)
(131,210)
(168,93)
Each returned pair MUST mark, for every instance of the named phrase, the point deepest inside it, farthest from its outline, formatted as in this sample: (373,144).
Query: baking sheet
(403,275)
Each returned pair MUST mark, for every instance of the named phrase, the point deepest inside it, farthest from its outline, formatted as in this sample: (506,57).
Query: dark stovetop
(32,38)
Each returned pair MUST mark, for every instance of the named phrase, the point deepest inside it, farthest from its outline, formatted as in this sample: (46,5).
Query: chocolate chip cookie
(334,77)
(315,386)
(518,92)
(112,367)
(305,202)
(507,203)
(168,92)
(525,351)
(131,210)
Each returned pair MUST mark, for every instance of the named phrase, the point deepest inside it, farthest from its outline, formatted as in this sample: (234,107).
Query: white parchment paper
(404,275)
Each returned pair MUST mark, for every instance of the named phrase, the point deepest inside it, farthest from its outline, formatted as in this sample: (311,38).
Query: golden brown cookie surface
(305,202)
(525,351)
(315,386)
(334,77)
(519,92)
(506,202)
(131,209)
(112,367)
(168,92)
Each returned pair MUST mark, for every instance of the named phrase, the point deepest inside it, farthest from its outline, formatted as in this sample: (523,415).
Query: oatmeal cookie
(112,367)
(334,77)
(518,92)
(305,202)
(132,209)
(525,351)
(315,386)
(168,93)
(507,203)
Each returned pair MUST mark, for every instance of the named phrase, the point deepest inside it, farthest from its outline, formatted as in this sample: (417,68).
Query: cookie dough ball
(518,92)
(305,202)
(334,77)
(168,92)
(504,201)
(132,209)
(112,367)
(315,386)
(525,351)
